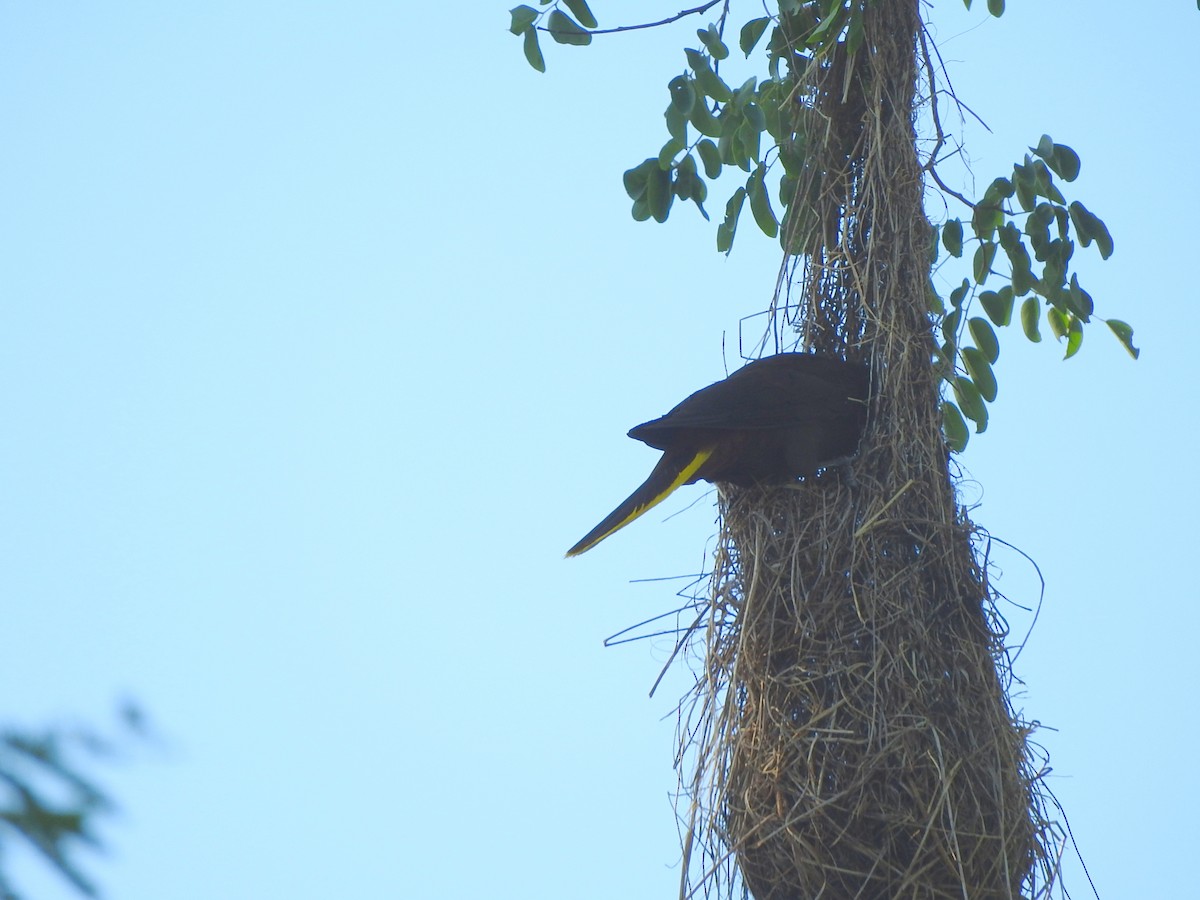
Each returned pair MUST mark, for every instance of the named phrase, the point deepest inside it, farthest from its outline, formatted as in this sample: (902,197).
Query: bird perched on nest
(773,420)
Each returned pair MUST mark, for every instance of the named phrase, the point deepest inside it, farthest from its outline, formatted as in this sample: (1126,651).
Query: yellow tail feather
(663,481)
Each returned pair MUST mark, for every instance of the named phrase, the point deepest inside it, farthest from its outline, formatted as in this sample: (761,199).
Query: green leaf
(1022,269)
(689,185)
(787,190)
(1009,237)
(1074,337)
(960,293)
(683,95)
(1057,320)
(1123,331)
(706,78)
(565,30)
(685,175)
(952,237)
(1079,300)
(755,117)
(1037,227)
(699,190)
(748,138)
(768,102)
(854,31)
(745,93)
(970,402)
(582,13)
(725,238)
(703,120)
(998,191)
(779,48)
(760,203)
(954,428)
(984,338)
(1059,157)
(933,302)
(676,125)
(985,219)
(1054,272)
(522,17)
(1065,162)
(1089,227)
(711,38)
(792,155)
(752,32)
(998,305)
(710,157)
(668,152)
(950,328)
(942,365)
(1044,183)
(641,210)
(835,15)
(1026,195)
(727,229)
(981,373)
(730,148)
(533,53)
(1061,220)
(1030,311)
(635,178)
(658,193)
(985,255)
(996,7)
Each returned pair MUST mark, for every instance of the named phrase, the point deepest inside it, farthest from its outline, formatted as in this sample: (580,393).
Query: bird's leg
(840,461)
(848,473)
(843,463)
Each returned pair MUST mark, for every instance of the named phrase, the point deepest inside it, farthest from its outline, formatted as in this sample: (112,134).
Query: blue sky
(321,327)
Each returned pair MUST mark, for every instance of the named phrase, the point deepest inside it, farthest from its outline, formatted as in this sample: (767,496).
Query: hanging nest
(863,745)
(850,731)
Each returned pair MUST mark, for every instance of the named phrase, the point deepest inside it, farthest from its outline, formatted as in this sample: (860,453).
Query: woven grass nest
(850,733)
(859,740)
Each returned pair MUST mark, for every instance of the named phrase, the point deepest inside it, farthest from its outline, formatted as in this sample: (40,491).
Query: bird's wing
(783,391)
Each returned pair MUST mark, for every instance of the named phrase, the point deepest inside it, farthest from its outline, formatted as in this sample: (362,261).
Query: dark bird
(772,421)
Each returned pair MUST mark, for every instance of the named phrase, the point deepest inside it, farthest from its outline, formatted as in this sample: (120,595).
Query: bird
(774,420)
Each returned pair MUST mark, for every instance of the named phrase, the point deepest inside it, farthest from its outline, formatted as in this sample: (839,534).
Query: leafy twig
(675,18)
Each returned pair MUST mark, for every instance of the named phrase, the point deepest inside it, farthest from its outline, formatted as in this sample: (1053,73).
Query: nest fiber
(850,735)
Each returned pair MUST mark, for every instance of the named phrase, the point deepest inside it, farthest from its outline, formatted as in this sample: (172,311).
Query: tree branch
(931,166)
(675,18)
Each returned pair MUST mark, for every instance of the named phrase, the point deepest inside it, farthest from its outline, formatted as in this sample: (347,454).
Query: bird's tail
(672,472)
